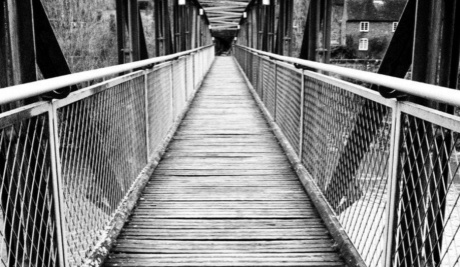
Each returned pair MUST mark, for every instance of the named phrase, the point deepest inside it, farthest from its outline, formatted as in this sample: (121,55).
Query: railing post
(302,103)
(147,128)
(58,193)
(392,185)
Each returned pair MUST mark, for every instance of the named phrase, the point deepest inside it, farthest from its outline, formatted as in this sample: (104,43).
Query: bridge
(263,155)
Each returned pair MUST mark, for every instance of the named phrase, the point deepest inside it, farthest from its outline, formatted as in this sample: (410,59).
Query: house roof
(375,10)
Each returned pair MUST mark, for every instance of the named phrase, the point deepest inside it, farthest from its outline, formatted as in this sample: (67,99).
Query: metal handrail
(23,91)
(424,90)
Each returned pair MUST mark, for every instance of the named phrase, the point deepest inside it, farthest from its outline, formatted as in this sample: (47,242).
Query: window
(364,26)
(394,26)
(363,44)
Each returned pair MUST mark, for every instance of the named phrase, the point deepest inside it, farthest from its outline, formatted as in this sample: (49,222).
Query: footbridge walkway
(253,159)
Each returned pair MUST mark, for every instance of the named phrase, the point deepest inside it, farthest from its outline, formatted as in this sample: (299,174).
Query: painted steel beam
(398,57)
(50,58)
(3,46)
(144,53)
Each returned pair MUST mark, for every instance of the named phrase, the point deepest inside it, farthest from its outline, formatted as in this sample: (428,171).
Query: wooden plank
(224,194)
(225,223)
(212,247)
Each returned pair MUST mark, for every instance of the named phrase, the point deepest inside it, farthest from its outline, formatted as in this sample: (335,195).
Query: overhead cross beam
(224,14)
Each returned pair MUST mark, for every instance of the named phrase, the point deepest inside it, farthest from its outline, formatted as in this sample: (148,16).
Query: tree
(85,30)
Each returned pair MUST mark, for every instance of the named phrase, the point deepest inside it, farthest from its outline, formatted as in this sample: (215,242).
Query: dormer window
(394,26)
(364,26)
(363,44)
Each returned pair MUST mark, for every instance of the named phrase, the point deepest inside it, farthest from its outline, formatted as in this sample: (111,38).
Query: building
(368,25)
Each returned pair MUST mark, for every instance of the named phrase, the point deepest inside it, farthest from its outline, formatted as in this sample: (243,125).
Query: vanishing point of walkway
(224,193)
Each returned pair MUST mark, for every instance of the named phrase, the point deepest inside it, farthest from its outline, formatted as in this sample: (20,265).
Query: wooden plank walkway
(224,194)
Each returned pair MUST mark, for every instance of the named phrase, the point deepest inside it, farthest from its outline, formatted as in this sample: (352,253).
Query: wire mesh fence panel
(205,62)
(28,225)
(255,73)
(210,55)
(242,57)
(429,208)
(288,99)
(200,62)
(103,149)
(178,79)
(189,76)
(159,99)
(269,84)
(347,150)
(249,68)
(196,75)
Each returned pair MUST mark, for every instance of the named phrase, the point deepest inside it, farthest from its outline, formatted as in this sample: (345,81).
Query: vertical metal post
(21,41)
(4,54)
(310,43)
(147,128)
(58,195)
(133,13)
(302,103)
(121,34)
(392,186)
(327,24)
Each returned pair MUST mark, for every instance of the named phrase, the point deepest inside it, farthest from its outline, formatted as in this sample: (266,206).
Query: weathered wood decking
(224,194)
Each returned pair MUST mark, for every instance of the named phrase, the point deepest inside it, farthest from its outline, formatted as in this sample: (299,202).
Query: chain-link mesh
(179,89)
(28,233)
(429,208)
(159,97)
(189,76)
(103,149)
(196,68)
(256,75)
(289,90)
(269,86)
(347,150)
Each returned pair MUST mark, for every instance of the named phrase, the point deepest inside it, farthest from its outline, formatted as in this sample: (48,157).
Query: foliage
(377,47)
(347,51)
(342,52)
(86,31)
